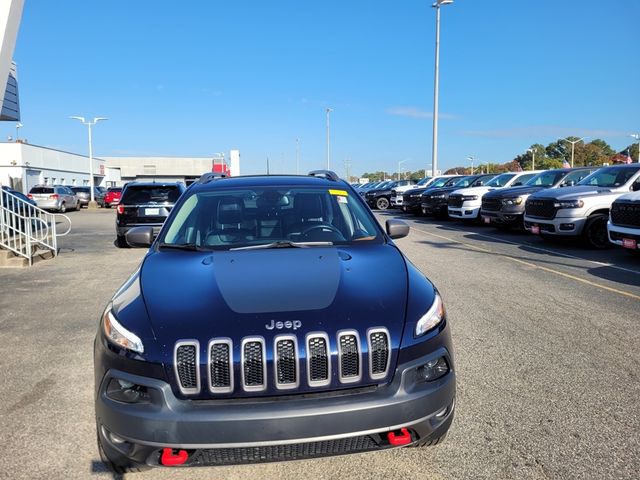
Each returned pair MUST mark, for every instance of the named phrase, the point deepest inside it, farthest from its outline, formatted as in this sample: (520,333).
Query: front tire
(382,203)
(595,232)
(63,207)
(121,242)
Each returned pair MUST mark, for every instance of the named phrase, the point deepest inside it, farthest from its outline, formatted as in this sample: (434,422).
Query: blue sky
(198,77)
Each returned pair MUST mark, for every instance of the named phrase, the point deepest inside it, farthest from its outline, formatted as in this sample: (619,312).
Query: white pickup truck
(465,204)
(581,210)
(624,222)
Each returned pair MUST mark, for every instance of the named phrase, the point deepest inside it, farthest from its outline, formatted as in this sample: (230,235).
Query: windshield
(114,189)
(41,190)
(440,182)
(500,180)
(463,182)
(424,181)
(610,177)
(80,189)
(224,219)
(546,179)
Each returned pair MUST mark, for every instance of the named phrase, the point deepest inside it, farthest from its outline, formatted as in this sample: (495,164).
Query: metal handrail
(25,227)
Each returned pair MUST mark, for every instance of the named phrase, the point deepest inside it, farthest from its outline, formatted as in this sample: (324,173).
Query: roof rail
(328,174)
(209,176)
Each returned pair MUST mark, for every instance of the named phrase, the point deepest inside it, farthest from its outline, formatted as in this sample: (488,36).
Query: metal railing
(25,229)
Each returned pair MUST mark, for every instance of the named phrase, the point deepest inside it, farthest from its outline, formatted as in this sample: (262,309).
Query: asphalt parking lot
(546,339)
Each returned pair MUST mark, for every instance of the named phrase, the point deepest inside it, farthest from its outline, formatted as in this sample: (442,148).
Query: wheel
(429,443)
(595,232)
(106,205)
(121,242)
(382,203)
(63,207)
(78,206)
(115,466)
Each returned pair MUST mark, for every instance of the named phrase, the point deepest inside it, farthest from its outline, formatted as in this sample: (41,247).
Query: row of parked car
(60,198)
(599,205)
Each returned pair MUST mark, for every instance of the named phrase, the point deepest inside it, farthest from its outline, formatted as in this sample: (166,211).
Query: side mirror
(397,228)
(635,187)
(139,237)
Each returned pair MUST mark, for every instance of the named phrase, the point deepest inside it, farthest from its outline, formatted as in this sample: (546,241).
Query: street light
(329,110)
(436,85)
(472,159)
(18,127)
(400,167)
(637,137)
(532,151)
(573,144)
(92,203)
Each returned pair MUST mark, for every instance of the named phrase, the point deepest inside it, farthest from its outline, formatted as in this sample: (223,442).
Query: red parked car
(112,197)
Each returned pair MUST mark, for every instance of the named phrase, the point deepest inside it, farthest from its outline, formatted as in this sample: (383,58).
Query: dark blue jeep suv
(258,328)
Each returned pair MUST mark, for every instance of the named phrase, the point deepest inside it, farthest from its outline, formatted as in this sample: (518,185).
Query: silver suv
(54,197)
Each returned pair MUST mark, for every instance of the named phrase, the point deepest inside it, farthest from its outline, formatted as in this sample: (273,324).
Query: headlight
(512,201)
(469,197)
(119,335)
(569,204)
(438,195)
(432,318)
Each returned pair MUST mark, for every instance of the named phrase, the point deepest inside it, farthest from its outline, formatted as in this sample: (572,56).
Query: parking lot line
(529,264)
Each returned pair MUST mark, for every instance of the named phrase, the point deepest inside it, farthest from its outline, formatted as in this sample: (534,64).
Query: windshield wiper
(284,244)
(180,246)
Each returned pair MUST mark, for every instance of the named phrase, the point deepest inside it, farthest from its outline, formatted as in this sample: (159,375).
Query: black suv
(380,197)
(145,203)
(257,328)
(412,199)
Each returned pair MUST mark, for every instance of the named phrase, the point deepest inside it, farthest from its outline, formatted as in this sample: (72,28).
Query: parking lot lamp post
(92,203)
(400,167)
(532,151)
(637,137)
(573,146)
(472,159)
(436,87)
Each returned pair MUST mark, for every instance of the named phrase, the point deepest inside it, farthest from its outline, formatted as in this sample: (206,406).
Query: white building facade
(23,165)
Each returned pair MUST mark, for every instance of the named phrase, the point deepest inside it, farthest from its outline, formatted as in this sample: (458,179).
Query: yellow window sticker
(338,192)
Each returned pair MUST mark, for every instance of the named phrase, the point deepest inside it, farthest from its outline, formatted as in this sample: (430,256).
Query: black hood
(514,191)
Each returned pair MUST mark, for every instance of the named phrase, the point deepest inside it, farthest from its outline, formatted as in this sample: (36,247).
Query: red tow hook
(403,438)
(170,459)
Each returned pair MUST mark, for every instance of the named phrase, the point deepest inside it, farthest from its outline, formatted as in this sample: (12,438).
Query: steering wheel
(321,227)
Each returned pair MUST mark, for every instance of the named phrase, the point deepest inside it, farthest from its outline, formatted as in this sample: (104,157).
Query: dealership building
(23,165)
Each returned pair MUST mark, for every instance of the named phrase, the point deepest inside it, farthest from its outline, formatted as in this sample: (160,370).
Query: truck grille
(625,214)
(456,201)
(277,453)
(283,362)
(187,366)
(540,208)
(491,204)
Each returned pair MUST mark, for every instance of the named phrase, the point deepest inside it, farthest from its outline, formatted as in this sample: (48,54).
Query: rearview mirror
(139,237)
(397,228)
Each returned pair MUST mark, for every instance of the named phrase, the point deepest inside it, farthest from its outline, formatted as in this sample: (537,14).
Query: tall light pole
(472,159)
(400,167)
(532,151)
(18,127)
(92,203)
(637,137)
(297,156)
(436,87)
(573,145)
(329,110)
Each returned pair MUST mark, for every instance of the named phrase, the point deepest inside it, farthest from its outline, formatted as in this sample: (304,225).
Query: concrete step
(9,259)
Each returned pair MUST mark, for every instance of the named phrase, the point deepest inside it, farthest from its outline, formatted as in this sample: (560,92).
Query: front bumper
(465,212)
(561,226)
(500,217)
(426,409)
(396,201)
(624,236)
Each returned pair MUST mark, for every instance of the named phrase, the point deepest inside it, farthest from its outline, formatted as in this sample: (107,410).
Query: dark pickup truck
(435,201)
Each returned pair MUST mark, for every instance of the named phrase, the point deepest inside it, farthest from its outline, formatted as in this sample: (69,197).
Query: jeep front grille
(283,364)
(187,361)
(378,353)
(254,365)
(220,365)
(318,360)
(349,357)
(286,359)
